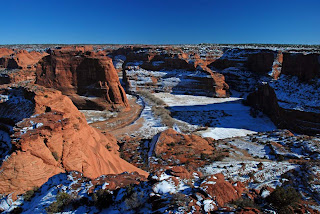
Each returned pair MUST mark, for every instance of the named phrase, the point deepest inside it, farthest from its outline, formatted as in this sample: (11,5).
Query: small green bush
(245,202)
(55,155)
(30,193)
(281,198)
(62,200)
(102,198)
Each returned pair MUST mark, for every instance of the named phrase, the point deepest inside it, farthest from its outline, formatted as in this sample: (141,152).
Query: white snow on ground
(47,195)
(253,148)
(175,81)
(93,116)
(269,175)
(187,100)
(293,94)
(151,125)
(225,117)
(165,187)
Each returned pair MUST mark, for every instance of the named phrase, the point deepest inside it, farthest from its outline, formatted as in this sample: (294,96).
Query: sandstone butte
(77,71)
(19,59)
(5,52)
(59,140)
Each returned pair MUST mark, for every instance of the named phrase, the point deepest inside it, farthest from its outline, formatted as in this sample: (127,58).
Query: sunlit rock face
(168,69)
(51,136)
(20,59)
(77,73)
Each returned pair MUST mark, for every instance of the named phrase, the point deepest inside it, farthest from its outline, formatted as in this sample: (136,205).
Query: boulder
(221,190)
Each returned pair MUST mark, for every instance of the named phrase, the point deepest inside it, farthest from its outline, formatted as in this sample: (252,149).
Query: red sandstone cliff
(74,72)
(55,139)
(20,59)
(265,100)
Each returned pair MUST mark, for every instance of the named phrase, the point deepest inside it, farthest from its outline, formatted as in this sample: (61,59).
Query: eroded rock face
(265,100)
(55,139)
(74,72)
(221,190)
(5,52)
(168,70)
(20,59)
(305,67)
(257,61)
(173,147)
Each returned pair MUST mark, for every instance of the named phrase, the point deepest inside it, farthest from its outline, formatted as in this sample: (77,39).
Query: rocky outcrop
(265,100)
(75,72)
(17,75)
(221,190)
(257,61)
(305,66)
(168,69)
(260,62)
(191,151)
(5,52)
(55,139)
(21,59)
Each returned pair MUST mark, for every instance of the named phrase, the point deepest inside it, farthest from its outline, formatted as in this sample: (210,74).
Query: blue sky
(160,21)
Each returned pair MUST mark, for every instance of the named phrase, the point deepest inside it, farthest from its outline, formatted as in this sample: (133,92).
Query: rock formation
(257,61)
(169,70)
(305,66)
(20,59)
(75,72)
(5,52)
(221,190)
(265,100)
(55,139)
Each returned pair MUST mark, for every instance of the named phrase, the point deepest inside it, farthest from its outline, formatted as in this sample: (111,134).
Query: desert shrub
(55,155)
(204,156)
(281,198)
(62,200)
(172,144)
(151,98)
(17,210)
(102,198)
(260,166)
(251,175)
(164,115)
(180,199)
(219,157)
(108,147)
(30,193)
(245,202)
(134,201)
(158,108)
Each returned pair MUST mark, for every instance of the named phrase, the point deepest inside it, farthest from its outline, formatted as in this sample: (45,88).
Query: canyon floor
(199,129)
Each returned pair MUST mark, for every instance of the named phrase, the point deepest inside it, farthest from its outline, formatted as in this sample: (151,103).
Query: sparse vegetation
(55,155)
(159,108)
(102,198)
(245,202)
(134,200)
(62,200)
(283,198)
(30,193)
(108,147)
